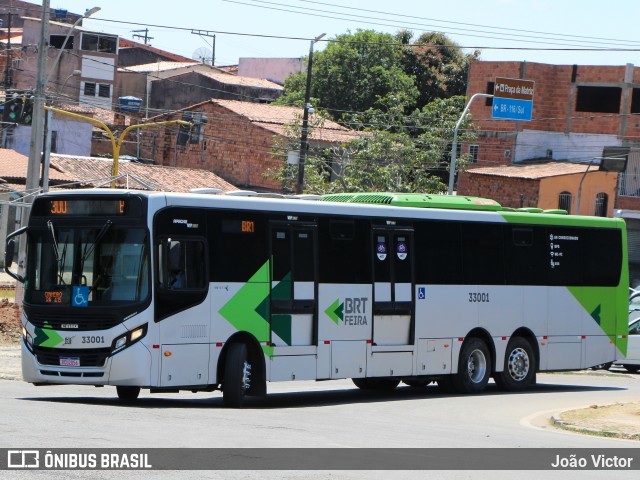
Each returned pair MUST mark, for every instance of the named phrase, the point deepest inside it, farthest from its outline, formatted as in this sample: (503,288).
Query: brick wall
(554,106)
(507,191)
(232,148)
(628,203)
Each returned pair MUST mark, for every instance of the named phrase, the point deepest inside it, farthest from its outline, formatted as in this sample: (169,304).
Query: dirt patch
(617,420)
(9,323)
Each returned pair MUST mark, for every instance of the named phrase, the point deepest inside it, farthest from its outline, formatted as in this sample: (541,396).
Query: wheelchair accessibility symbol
(422,293)
(80,296)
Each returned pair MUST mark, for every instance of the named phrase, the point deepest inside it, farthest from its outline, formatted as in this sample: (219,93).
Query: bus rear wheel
(519,366)
(474,367)
(128,394)
(631,368)
(375,383)
(237,376)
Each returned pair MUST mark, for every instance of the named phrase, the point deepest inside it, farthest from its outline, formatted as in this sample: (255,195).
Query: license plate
(69,361)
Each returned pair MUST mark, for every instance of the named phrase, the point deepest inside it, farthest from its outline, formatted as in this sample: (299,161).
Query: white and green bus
(202,292)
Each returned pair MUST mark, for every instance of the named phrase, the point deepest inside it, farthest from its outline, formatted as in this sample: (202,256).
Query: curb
(564,425)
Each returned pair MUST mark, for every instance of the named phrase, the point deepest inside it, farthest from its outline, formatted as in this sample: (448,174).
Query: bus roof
(419,200)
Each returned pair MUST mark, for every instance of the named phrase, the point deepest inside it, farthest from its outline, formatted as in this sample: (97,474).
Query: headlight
(28,339)
(129,338)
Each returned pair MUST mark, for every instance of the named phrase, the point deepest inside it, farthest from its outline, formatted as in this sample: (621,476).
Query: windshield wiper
(60,259)
(89,248)
(55,243)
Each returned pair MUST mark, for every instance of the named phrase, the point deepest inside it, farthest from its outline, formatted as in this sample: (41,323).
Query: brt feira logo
(353,311)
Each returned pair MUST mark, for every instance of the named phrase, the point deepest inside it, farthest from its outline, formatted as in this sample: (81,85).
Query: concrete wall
(532,144)
(73,138)
(594,183)
(274,69)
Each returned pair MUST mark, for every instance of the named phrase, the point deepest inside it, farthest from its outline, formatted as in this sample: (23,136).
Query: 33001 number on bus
(478,297)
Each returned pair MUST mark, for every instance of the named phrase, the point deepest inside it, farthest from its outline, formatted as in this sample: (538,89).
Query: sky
(581,32)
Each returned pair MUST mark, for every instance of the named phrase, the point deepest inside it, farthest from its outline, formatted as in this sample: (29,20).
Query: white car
(632,361)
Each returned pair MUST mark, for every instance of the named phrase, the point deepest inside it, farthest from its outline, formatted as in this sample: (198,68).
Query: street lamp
(304,144)
(75,73)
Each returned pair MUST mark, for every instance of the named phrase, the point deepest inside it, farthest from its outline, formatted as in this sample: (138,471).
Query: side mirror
(9,253)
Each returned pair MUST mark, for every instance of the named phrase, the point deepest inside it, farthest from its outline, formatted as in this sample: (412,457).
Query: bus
(199,292)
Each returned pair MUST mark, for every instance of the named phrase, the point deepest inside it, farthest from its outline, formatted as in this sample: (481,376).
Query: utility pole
(205,33)
(146,38)
(37,132)
(304,135)
(7,72)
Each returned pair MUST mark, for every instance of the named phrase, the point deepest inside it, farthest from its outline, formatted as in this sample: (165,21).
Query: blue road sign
(512,109)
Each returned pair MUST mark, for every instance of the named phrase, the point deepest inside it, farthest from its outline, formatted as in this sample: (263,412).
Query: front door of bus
(293,284)
(392,286)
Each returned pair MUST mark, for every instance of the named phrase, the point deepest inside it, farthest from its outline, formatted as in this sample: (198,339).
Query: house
(175,85)
(68,171)
(236,140)
(548,185)
(83,71)
(578,111)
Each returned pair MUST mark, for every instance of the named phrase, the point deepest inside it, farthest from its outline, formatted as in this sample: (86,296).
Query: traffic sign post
(513,99)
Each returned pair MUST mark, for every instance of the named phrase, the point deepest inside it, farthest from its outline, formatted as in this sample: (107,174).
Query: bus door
(392,286)
(293,284)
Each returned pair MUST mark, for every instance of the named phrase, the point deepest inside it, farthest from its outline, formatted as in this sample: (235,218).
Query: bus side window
(182,264)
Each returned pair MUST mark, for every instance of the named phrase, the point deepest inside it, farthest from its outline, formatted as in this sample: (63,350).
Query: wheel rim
(518,364)
(477,366)
(246,376)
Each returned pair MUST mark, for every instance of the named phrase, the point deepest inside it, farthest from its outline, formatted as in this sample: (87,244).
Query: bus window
(182,264)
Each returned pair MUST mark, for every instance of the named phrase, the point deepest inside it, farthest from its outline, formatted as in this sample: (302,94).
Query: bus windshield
(91,266)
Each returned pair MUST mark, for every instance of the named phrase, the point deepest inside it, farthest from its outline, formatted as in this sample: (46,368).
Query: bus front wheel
(474,367)
(519,366)
(128,394)
(237,376)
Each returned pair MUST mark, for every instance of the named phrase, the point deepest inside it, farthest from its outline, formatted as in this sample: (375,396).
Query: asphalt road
(311,415)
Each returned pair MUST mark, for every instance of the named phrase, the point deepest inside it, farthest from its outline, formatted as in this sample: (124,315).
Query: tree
(356,72)
(407,155)
(438,65)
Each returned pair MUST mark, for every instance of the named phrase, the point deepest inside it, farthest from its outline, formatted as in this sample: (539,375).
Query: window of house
(602,201)
(90,89)
(56,41)
(104,90)
(99,43)
(598,99)
(564,201)
(473,151)
(491,86)
(635,101)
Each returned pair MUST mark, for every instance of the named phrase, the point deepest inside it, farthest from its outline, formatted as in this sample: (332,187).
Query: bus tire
(474,367)
(237,376)
(127,394)
(376,383)
(519,369)
(631,368)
